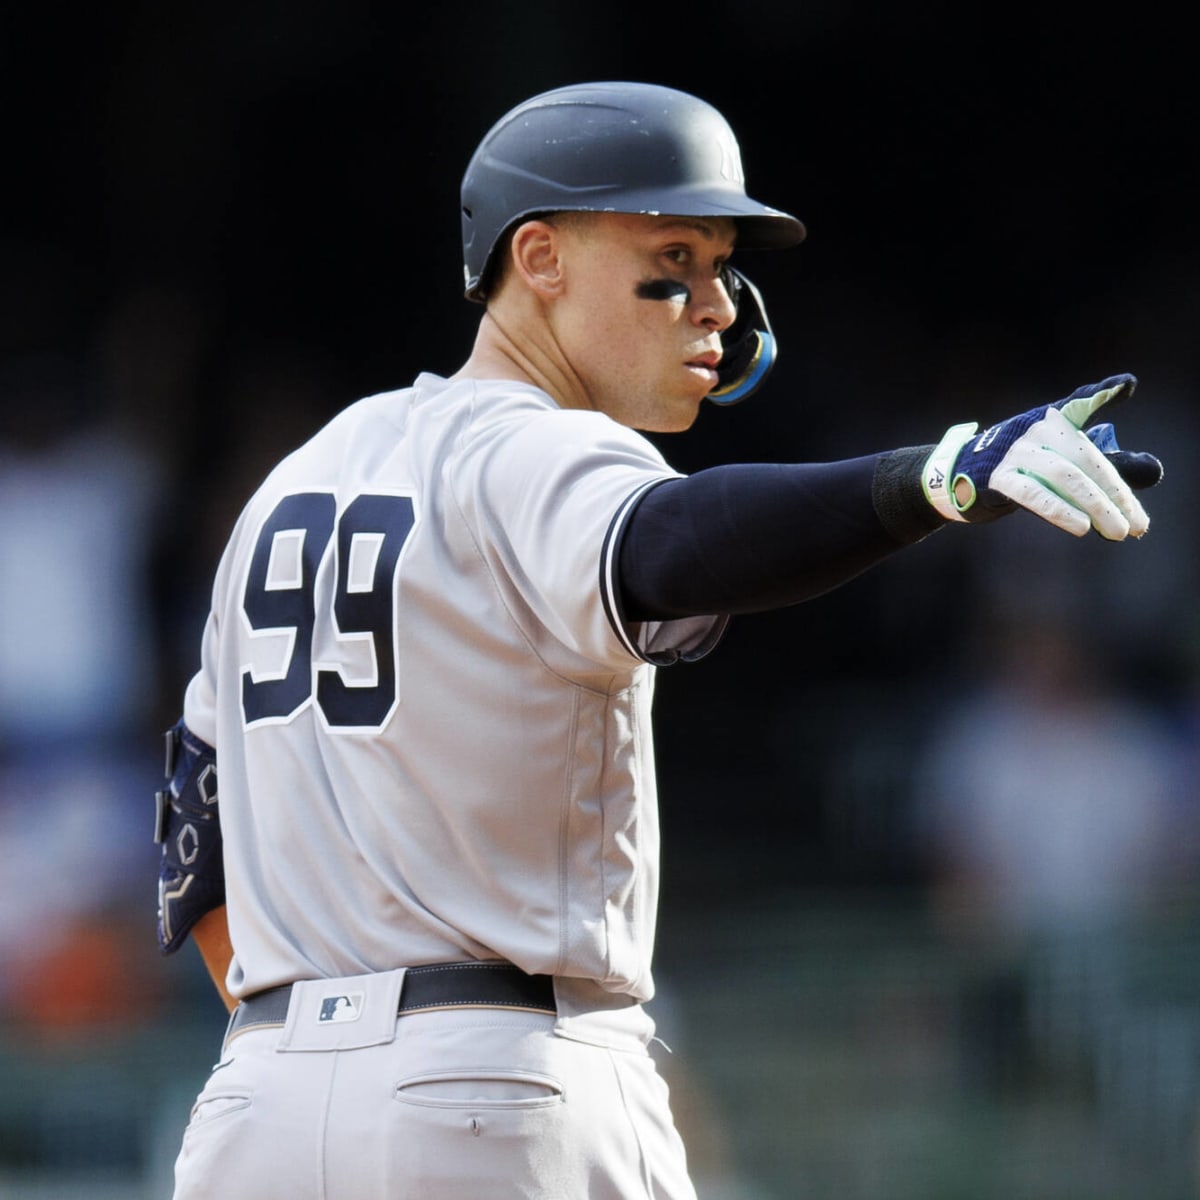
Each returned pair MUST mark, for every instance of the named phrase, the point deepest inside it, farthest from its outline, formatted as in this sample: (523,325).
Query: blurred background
(931,841)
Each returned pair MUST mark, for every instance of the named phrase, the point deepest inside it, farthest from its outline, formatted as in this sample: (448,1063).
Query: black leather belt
(426,988)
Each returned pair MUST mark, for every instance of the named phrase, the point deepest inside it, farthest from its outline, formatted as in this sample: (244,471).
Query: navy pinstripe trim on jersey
(610,584)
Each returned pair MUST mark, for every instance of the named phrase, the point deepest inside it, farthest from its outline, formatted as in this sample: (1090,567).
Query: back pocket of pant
(212,1106)
(480,1088)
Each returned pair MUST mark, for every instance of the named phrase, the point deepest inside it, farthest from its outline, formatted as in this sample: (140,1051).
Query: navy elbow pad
(191,875)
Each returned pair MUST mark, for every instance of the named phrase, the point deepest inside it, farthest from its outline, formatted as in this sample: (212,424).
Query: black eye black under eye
(663,289)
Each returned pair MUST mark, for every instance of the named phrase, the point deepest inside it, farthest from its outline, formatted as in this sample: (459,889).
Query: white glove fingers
(1054,436)
(1032,493)
(1045,480)
(1060,491)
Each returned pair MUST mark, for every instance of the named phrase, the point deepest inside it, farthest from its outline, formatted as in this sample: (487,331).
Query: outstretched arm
(745,538)
(750,537)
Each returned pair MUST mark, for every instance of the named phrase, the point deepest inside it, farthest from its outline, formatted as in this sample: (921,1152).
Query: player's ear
(535,255)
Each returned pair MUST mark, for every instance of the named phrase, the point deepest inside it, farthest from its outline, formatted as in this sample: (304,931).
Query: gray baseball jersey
(433,728)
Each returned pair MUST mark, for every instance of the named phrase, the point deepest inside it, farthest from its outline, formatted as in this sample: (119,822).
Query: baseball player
(427,881)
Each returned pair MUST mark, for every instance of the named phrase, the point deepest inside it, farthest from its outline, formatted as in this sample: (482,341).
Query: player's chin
(679,403)
(674,415)
(668,404)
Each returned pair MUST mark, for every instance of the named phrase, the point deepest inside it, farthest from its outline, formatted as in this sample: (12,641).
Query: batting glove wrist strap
(938,476)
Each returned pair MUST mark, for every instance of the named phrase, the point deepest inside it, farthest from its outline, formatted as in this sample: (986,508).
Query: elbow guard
(191,874)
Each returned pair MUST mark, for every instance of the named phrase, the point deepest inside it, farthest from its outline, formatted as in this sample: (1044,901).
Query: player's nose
(713,305)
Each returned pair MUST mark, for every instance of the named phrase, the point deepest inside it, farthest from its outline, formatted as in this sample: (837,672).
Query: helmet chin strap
(748,345)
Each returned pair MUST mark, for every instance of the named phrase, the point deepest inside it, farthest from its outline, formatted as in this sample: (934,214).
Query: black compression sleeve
(745,538)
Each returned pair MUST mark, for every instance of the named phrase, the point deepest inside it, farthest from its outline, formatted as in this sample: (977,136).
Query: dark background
(223,222)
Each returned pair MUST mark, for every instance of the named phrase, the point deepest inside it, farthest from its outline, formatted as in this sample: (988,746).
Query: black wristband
(899,497)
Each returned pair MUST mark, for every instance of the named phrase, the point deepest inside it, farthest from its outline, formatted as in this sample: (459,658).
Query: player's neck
(503,350)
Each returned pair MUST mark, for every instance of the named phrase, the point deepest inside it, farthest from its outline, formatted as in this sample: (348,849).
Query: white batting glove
(1043,461)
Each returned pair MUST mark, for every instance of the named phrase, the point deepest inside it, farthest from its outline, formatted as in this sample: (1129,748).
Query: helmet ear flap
(749,345)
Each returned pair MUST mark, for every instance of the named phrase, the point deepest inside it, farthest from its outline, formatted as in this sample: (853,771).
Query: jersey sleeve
(662,642)
(200,699)
(546,496)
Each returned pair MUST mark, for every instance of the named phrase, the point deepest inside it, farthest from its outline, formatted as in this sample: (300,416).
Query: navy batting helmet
(609,147)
